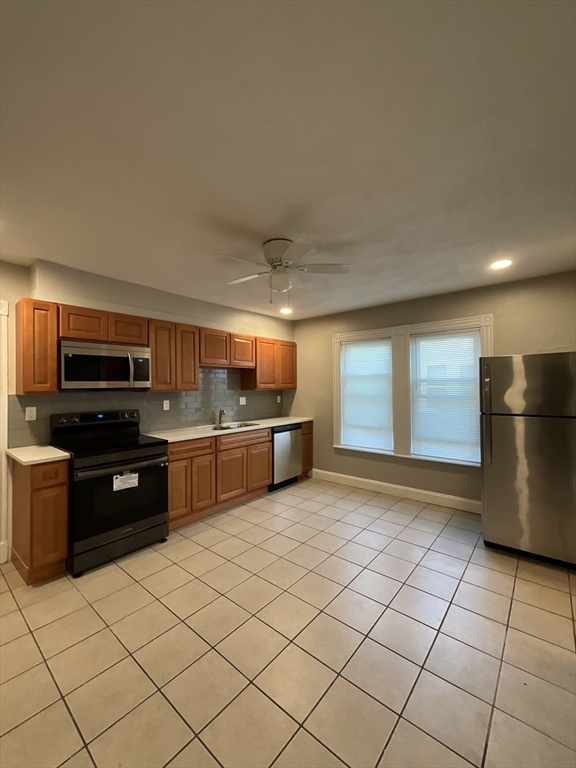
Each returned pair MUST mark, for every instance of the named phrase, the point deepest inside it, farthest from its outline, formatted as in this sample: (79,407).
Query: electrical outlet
(279,398)
(31,414)
(242,401)
(166,404)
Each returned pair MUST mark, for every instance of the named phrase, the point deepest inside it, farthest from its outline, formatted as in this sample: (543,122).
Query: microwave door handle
(131,364)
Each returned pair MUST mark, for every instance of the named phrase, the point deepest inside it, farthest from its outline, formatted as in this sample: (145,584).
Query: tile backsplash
(219,388)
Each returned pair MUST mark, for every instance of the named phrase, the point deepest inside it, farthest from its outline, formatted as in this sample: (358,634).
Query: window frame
(401,388)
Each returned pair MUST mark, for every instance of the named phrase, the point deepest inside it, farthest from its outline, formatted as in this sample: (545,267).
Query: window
(366,377)
(444,395)
(412,390)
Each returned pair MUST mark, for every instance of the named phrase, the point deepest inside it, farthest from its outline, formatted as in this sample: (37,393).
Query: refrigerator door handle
(487,438)
(486,389)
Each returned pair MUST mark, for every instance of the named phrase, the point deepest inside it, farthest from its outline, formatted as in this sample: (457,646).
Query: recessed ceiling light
(286,311)
(502,264)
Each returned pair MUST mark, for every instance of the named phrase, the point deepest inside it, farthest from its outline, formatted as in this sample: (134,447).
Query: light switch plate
(242,401)
(166,404)
(279,398)
(31,413)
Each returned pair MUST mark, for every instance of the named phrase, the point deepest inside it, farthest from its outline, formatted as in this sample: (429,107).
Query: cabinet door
(286,378)
(187,357)
(242,351)
(83,323)
(307,452)
(128,329)
(231,474)
(179,488)
(266,364)
(36,347)
(214,347)
(203,482)
(49,526)
(163,346)
(259,466)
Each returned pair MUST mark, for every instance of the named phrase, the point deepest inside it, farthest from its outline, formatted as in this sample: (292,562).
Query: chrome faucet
(221,414)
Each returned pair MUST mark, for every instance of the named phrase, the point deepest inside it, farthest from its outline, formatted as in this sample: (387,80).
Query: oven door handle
(85,474)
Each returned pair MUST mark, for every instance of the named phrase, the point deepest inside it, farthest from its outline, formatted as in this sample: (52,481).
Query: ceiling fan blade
(246,261)
(297,251)
(324,269)
(244,279)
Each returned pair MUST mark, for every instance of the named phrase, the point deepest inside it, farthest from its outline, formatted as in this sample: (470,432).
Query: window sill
(433,459)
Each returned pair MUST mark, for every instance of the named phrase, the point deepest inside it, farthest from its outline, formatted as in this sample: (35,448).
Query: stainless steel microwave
(85,365)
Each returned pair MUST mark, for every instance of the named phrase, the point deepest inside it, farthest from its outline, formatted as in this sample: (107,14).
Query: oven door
(112,502)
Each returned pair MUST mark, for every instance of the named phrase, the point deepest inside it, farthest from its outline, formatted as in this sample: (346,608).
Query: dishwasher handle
(286,428)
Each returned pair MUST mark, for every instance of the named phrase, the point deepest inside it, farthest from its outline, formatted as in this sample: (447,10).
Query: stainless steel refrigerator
(528,405)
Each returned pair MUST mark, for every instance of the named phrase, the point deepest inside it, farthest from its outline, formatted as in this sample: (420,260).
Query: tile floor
(318,627)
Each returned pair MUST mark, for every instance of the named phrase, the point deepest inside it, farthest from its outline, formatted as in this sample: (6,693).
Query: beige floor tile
(311,506)
(256,534)
(81,759)
(405,551)
(376,586)
(359,519)
(279,545)
(446,564)
(83,661)
(144,625)
(545,660)
(283,573)
(414,536)
(106,698)
(386,528)
(354,609)
(490,579)
(404,635)
(461,535)
(53,608)
(410,747)
(255,559)
(335,513)
(122,603)
(464,666)
(304,751)
(430,512)
(420,605)
(396,517)
(250,733)
(544,574)
(217,620)
(543,597)
(18,656)
(25,695)
(348,504)
(295,681)
(543,624)
(295,514)
(460,722)
(166,580)
(180,550)
(287,614)
(433,582)
(372,540)
(428,526)
(306,556)
(188,599)
(452,548)
(204,689)
(4,584)
(252,646)
(12,626)
(169,654)
(229,524)
(195,755)
(25,595)
(538,703)
(189,531)
(275,525)
(344,530)
(482,601)
(45,741)
(338,570)
(326,542)
(498,561)
(315,589)
(329,640)
(351,724)
(225,577)
(319,521)
(475,630)
(469,521)
(103,581)
(202,562)
(515,745)
(251,515)
(382,673)
(144,563)
(147,737)
(409,506)
(231,547)
(356,553)
(69,630)
(253,594)
(391,566)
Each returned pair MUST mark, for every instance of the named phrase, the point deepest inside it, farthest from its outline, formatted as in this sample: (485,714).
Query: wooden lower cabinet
(179,488)
(259,466)
(231,474)
(49,530)
(203,482)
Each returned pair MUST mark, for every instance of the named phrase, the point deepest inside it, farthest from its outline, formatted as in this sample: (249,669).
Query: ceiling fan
(282,262)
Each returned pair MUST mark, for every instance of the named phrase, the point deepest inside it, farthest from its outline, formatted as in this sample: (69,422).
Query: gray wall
(537,315)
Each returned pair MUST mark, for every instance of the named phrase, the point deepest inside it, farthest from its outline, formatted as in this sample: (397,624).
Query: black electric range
(118,494)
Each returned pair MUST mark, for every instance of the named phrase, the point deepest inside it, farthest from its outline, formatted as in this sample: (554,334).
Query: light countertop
(197,433)
(37,454)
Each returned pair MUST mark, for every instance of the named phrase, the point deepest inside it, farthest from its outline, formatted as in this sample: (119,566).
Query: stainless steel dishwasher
(287,441)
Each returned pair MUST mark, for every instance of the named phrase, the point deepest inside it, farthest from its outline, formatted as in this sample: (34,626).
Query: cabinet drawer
(190,448)
(225,442)
(307,427)
(44,475)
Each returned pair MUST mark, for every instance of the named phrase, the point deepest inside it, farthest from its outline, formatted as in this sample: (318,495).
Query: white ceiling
(416,141)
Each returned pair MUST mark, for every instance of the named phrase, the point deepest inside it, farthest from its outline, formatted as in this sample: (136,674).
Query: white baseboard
(430,497)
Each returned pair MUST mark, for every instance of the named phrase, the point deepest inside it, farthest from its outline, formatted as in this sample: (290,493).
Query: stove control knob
(124,415)
(133,415)
(61,420)
(74,420)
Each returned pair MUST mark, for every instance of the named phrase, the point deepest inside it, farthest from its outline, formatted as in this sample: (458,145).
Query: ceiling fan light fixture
(286,311)
(280,282)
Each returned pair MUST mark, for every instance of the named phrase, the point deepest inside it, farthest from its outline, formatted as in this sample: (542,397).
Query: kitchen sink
(219,427)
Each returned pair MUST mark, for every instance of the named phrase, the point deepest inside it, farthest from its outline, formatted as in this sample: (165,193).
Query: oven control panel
(93,417)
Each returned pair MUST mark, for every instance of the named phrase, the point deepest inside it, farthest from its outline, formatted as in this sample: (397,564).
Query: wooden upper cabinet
(214,347)
(163,346)
(36,347)
(83,324)
(242,351)
(187,357)
(128,329)
(286,365)
(266,363)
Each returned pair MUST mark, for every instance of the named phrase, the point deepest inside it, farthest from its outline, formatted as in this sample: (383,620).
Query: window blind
(444,395)
(366,394)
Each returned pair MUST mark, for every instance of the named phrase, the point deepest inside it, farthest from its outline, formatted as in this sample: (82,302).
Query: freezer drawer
(529,479)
